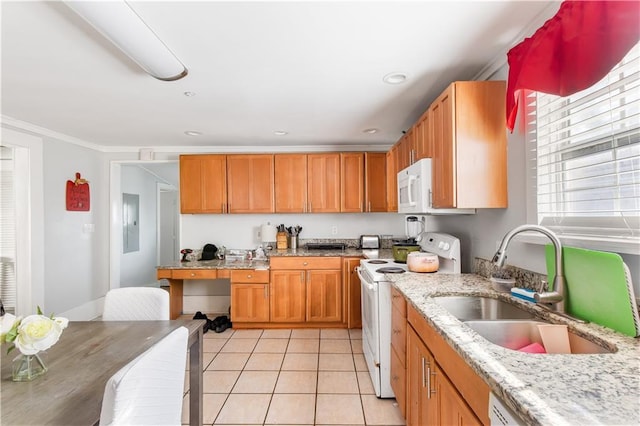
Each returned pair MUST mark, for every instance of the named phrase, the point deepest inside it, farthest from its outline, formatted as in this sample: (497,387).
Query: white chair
(136,304)
(149,390)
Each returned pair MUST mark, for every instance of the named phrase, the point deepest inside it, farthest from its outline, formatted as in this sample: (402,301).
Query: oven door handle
(365,282)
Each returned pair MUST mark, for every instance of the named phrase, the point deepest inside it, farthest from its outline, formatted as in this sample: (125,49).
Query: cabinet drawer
(398,301)
(399,333)
(249,276)
(399,381)
(163,273)
(194,274)
(298,262)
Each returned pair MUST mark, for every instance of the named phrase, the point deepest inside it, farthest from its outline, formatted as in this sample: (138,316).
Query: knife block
(281,241)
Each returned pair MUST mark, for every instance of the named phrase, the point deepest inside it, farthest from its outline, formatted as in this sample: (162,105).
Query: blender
(414,228)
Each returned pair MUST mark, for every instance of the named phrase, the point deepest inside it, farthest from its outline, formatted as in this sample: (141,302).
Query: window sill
(616,245)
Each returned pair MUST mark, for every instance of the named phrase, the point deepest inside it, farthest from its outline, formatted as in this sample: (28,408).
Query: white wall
(76,262)
(138,268)
(240,230)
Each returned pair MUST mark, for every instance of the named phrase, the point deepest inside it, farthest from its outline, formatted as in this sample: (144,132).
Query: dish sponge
(524,294)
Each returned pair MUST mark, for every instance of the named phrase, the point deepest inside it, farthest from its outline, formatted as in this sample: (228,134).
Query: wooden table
(85,357)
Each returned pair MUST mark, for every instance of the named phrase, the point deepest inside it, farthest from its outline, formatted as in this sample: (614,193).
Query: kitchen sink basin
(515,334)
(468,308)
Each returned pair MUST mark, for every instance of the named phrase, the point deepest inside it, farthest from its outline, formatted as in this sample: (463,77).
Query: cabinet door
(443,170)
(404,152)
(424,147)
(398,381)
(250,183)
(203,184)
(324,296)
(351,282)
(287,299)
(422,407)
(323,183)
(452,409)
(249,302)
(375,185)
(290,183)
(351,182)
(392,179)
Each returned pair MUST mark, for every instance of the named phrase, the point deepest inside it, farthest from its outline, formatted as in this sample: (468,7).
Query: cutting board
(597,288)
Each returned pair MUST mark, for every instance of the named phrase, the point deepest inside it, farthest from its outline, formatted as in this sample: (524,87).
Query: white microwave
(414,191)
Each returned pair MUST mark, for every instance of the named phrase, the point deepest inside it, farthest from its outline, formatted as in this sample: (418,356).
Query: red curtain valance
(573,50)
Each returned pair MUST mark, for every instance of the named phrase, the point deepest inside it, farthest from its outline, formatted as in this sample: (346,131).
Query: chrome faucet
(555,297)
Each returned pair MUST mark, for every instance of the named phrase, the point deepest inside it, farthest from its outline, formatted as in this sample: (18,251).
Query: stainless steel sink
(468,308)
(515,334)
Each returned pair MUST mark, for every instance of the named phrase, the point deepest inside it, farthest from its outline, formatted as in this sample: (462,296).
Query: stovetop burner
(377,262)
(390,270)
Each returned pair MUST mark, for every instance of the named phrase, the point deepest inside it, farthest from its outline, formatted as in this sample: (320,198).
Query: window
(586,152)
(7,230)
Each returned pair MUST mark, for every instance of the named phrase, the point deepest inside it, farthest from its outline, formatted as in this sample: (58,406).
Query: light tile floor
(289,377)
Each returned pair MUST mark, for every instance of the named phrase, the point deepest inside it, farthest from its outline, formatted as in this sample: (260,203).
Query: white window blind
(586,152)
(7,230)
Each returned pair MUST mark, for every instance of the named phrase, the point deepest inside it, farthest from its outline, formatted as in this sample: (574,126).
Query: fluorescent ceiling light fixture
(116,21)
(280,133)
(394,78)
(370,131)
(192,133)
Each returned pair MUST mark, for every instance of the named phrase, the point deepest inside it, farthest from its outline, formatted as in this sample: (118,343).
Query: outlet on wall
(334,230)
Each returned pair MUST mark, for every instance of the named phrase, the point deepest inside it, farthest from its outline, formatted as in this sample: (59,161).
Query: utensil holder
(293,242)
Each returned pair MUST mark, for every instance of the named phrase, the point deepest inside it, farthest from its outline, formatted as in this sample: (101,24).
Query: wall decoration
(78,198)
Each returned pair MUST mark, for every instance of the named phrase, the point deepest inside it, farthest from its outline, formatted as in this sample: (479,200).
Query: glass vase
(28,367)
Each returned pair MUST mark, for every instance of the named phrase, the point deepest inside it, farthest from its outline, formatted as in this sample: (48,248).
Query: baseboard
(85,312)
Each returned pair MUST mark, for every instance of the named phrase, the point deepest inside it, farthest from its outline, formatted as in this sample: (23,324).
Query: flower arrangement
(33,333)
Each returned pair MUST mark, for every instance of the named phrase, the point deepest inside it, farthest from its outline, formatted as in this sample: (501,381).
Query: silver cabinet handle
(429,390)
(249,276)
(305,263)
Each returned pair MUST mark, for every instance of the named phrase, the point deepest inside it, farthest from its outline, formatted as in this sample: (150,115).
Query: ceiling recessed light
(280,133)
(192,133)
(370,131)
(395,78)
(189,94)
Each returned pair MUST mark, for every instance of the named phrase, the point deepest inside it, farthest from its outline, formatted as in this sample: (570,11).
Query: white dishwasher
(500,414)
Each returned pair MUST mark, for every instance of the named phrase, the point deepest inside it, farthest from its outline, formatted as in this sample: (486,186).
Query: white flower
(6,323)
(38,333)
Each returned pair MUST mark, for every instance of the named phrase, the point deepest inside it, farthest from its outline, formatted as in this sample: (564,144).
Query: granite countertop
(543,389)
(264,263)
(217,264)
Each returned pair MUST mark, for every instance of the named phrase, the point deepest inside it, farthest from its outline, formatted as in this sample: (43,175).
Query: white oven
(376,305)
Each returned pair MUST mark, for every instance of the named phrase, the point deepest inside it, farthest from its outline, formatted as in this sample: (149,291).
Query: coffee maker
(414,227)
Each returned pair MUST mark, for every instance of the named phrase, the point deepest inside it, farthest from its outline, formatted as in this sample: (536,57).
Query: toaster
(369,241)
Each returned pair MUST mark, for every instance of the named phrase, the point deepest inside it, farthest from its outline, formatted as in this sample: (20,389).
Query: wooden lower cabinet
(249,295)
(351,282)
(307,290)
(288,296)
(399,349)
(441,387)
(249,302)
(324,296)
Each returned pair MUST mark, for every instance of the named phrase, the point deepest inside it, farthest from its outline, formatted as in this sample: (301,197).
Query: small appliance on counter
(369,241)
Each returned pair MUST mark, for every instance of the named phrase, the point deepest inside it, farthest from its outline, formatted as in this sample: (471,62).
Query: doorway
(156,184)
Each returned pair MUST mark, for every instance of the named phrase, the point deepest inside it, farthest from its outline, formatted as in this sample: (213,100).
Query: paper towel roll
(268,233)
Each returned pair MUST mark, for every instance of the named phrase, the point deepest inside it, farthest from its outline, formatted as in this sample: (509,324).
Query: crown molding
(42,131)
(501,59)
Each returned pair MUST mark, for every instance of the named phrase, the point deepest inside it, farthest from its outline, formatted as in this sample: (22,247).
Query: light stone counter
(217,264)
(543,389)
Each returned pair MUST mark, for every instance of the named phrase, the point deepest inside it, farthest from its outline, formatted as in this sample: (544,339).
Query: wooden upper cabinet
(375,185)
(423,143)
(203,184)
(290,183)
(392,179)
(443,167)
(323,183)
(470,146)
(404,153)
(352,182)
(250,183)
